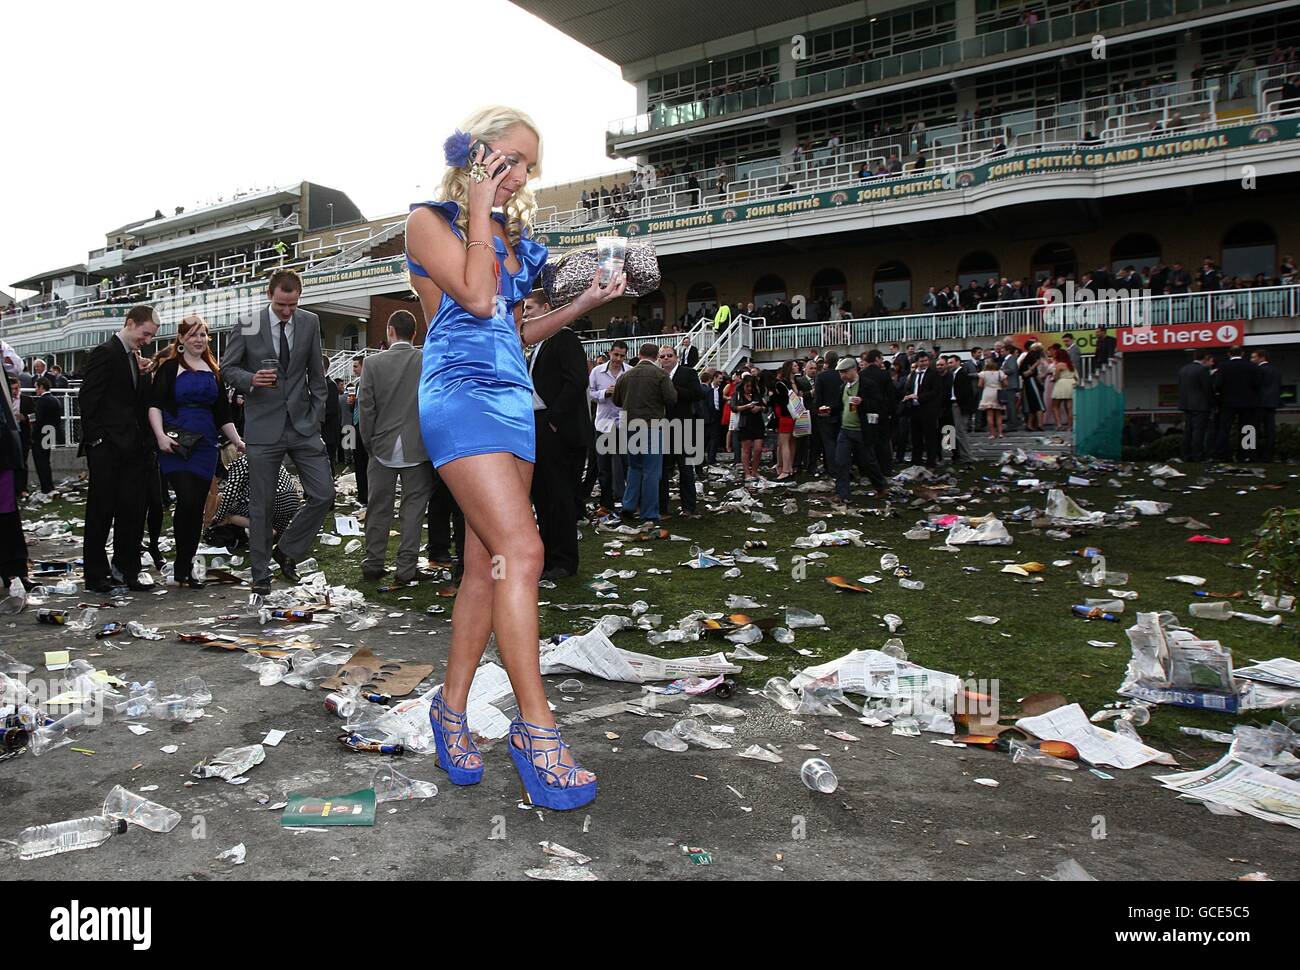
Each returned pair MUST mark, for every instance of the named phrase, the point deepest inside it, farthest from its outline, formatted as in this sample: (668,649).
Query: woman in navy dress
(472,267)
(187,394)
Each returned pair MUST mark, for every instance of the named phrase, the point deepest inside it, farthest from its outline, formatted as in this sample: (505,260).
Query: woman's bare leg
(505,553)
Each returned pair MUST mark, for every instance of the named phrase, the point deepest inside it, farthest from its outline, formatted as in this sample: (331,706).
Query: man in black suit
(828,394)
(558,368)
(875,375)
(957,405)
(684,414)
(1236,384)
(711,383)
(1105,349)
(114,396)
(1195,400)
(1268,400)
(690,356)
(922,402)
(47,419)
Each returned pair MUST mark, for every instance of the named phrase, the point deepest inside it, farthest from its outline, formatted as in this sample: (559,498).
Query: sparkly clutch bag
(567,277)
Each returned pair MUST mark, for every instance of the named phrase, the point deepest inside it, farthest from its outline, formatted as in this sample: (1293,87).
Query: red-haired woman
(1063,391)
(187,397)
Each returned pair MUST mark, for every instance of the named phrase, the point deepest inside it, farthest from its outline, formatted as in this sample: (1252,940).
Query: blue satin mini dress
(476,397)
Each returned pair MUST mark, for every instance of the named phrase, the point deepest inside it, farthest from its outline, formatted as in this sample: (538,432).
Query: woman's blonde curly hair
(488,124)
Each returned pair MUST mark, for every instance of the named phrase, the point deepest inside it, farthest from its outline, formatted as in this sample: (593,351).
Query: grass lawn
(1039,645)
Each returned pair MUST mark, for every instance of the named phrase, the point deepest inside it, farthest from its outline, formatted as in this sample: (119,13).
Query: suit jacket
(1269,392)
(389,403)
(1195,388)
(828,391)
(689,392)
(644,392)
(1011,367)
(691,357)
(1236,383)
(959,382)
(298,399)
(712,412)
(1105,350)
(929,392)
(112,407)
(1076,358)
(880,391)
(560,380)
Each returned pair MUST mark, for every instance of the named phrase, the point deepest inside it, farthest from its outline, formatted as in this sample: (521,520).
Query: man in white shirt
(389,409)
(609,463)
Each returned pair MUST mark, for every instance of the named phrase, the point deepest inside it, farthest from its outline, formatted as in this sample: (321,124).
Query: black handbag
(183,442)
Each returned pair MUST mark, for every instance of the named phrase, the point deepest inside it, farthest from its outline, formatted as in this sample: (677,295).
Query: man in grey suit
(389,402)
(274,360)
(1011,393)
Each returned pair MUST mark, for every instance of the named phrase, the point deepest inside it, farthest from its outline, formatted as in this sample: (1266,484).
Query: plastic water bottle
(40,841)
(199,569)
(308,566)
(122,804)
(818,776)
(55,735)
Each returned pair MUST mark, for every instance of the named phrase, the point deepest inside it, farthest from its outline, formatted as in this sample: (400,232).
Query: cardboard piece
(357,808)
(389,677)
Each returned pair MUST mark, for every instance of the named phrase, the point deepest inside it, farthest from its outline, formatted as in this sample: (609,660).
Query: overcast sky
(111,111)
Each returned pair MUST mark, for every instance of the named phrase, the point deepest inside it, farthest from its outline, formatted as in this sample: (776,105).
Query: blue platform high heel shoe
(452,755)
(548,785)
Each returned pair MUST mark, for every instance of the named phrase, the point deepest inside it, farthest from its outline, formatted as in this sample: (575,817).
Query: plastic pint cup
(272,363)
(610,253)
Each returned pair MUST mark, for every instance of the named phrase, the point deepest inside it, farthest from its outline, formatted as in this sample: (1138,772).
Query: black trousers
(360,463)
(187,517)
(1231,421)
(156,500)
(714,435)
(1195,424)
(674,464)
(41,458)
(1266,433)
(446,522)
(13,548)
(588,476)
(925,436)
(828,433)
(555,498)
(117,502)
(884,445)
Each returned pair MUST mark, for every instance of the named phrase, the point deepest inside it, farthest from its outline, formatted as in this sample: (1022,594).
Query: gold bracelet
(471,245)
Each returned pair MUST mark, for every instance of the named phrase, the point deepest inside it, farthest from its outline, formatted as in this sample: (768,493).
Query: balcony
(1106,20)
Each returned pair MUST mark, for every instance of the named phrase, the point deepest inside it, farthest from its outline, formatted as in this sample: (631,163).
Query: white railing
(1111,118)
(354,249)
(1219,306)
(737,339)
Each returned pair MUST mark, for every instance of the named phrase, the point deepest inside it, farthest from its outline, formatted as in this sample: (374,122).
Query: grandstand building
(849,160)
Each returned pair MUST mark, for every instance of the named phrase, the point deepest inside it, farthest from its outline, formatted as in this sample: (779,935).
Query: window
(1250,248)
(767,290)
(1136,249)
(829,284)
(892,282)
(977,267)
(1054,259)
(699,298)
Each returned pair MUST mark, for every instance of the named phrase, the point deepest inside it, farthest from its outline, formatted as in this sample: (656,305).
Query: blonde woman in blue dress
(472,262)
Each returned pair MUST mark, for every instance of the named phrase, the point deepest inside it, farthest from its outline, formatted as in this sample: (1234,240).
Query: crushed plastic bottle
(735,602)
(353,547)
(819,776)
(571,686)
(55,735)
(391,785)
(888,562)
(747,634)
(907,727)
(691,730)
(307,567)
(329,539)
(797,618)
(1026,754)
(1213,610)
(893,621)
(664,741)
(17,600)
(816,527)
(782,635)
(123,804)
(142,632)
(40,841)
(894,648)
(913,584)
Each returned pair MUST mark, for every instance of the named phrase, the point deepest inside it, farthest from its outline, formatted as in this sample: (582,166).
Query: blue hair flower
(456,149)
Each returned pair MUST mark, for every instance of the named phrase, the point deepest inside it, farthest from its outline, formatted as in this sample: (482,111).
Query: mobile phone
(487,150)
